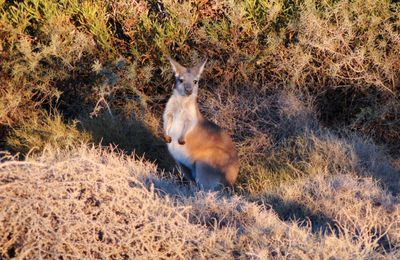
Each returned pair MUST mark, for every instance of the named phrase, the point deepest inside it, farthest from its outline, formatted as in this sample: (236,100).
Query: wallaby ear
(178,68)
(198,69)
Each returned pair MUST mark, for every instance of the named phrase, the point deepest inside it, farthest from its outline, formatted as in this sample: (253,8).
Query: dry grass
(97,203)
(298,84)
(280,139)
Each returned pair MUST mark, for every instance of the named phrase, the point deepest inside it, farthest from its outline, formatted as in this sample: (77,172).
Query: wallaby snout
(188,89)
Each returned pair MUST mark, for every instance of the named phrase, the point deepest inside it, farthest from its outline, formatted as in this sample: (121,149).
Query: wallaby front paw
(181,141)
(167,138)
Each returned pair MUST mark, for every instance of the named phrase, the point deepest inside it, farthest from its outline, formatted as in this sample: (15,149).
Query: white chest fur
(183,111)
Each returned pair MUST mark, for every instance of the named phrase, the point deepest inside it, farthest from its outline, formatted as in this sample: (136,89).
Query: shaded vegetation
(71,60)
(309,91)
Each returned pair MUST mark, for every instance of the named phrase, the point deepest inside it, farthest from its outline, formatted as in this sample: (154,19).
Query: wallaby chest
(184,115)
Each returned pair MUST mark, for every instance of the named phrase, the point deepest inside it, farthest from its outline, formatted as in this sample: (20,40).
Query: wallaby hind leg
(207,177)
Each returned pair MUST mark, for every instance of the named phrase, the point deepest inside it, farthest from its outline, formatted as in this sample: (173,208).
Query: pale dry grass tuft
(89,204)
(98,203)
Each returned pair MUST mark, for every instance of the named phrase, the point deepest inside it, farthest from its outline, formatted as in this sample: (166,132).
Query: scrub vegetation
(309,91)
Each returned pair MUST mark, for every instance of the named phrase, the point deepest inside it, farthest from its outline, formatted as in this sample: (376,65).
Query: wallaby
(205,152)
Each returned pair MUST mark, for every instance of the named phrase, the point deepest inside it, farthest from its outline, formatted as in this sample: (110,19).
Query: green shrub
(46,131)
(85,57)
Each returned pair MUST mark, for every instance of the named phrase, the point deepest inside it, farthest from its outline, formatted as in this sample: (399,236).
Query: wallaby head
(187,79)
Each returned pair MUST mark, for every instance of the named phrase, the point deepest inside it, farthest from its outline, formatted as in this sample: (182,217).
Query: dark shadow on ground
(374,161)
(288,210)
(129,135)
(339,106)
(350,108)
(3,134)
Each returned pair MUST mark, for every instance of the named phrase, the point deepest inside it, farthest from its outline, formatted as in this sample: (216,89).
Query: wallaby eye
(195,81)
(180,80)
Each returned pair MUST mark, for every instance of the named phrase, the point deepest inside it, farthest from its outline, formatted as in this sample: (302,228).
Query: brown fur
(213,150)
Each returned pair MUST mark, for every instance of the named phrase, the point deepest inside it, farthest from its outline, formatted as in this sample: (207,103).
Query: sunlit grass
(309,91)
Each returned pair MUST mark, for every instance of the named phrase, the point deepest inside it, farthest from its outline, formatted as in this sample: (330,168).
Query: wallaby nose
(188,89)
